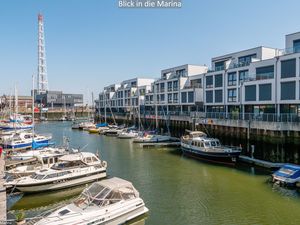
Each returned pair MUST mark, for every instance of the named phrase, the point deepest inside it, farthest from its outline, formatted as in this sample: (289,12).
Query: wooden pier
(2,192)
(160,144)
(259,162)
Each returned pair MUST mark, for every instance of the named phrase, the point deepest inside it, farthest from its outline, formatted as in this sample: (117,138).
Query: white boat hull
(61,184)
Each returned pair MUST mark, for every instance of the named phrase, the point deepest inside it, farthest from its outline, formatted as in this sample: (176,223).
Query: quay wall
(273,132)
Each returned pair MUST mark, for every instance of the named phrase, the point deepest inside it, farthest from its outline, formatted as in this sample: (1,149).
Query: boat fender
(104,164)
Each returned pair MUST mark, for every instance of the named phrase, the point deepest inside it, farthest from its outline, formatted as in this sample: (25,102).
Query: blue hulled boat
(288,175)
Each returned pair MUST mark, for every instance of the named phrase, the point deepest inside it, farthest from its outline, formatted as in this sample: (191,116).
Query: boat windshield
(67,165)
(287,171)
(206,144)
(101,196)
(37,176)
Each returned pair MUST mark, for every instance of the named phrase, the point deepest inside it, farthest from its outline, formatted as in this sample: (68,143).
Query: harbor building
(58,99)
(179,90)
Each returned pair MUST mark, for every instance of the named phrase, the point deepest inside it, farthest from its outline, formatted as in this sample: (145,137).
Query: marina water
(177,190)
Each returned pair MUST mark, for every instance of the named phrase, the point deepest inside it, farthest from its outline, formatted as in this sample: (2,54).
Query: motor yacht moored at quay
(196,144)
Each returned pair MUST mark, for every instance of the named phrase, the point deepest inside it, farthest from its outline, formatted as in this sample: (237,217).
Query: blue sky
(93,43)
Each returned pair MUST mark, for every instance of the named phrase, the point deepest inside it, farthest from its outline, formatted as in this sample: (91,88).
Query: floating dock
(259,162)
(2,193)
(160,144)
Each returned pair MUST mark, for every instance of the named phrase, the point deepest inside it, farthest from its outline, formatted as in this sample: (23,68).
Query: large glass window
(232,95)
(218,96)
(162,97)
(175,85)
(175,97)
(232,79)
(219,66)
(183,97)
(266,72)
(250,93)
(265,92)
(209,96)
(169,98)
(180,73)
(219,80)
(288,68)
(288,90)
(190,96)
(243,75)
(170,86)
(196,83)
(246,60)
(162,87)
(296,45)
(209,81)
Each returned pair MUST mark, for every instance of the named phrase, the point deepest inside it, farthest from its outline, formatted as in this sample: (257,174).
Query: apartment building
(178,90)
(256,81)
(126,96)
(275,85)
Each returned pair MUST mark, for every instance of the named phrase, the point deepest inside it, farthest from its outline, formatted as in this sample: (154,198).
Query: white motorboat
(70,170)
(128,134)
(151,138)
(86,125)
(112,201)
(45,159)
(24,140)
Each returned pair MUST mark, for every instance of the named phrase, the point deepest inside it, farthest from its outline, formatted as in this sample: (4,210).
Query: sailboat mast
(32,107)
(155,104)
(105,106)
(16,101)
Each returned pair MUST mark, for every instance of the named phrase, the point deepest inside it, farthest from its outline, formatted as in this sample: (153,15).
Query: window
(209,81)
(288,90)
(288,68)
(243,75)
(180,73)
(246,60)
(190,96)
(266,72)
(209,96)
(250,93)
(265,92)
(231,79)
(183,97)
(175,97)
(219,66)
(169,86)
(162,97)
(218,80)
(196,83)
(169,98)
(296,45)
(175,85)
(218,96)
(162,87)
(232,95)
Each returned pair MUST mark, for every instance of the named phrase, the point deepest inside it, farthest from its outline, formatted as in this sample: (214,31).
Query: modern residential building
(57,99)
(178,90)
(127,96)
(260,81)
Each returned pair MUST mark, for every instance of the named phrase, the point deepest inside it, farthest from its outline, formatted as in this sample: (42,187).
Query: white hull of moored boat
(57,185)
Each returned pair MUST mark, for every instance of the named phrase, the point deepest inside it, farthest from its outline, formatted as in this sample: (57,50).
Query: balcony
(290,50)
(238,65)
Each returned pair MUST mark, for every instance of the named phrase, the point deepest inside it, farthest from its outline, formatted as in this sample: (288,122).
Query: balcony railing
(291,50)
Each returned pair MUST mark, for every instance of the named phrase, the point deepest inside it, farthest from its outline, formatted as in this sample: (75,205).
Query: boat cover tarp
(101,125)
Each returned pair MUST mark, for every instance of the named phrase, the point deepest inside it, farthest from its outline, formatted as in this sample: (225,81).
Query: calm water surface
(176,189)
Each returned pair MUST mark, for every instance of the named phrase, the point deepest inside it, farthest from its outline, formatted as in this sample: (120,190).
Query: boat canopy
(107,192)
(101,125)
(194,134)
